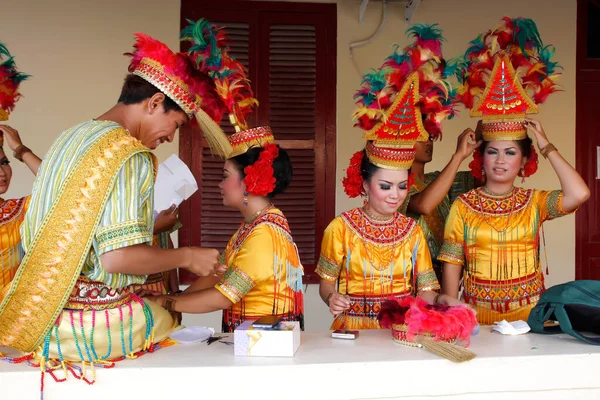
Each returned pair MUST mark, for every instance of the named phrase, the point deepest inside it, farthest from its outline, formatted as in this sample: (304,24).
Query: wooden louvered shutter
(291,62)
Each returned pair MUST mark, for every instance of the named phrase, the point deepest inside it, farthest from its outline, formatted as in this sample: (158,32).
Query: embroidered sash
(49,270)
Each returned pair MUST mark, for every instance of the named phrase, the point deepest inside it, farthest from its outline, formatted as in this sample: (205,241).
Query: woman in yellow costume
(374,252)
(492,235)
(12,211)
(264,273)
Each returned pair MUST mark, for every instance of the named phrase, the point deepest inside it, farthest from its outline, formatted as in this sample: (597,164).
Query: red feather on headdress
(520,40)
(10,79)
(424,56)
(179,68)
(210,53)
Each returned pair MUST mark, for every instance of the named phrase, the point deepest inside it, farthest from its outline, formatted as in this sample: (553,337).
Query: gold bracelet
(170,304)
(18,154)
(548,149)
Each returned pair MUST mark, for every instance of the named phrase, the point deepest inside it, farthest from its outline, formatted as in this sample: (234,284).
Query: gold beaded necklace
(378,218)
(511,206)
(257,214)
(393,250)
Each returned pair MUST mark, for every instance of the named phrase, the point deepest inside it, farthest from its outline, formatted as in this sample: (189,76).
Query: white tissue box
(249,341)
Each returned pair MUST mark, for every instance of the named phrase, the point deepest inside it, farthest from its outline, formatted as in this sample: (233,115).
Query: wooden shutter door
(287,57)
(296,107)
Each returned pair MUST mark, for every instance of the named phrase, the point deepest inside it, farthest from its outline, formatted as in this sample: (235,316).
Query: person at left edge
(87,232)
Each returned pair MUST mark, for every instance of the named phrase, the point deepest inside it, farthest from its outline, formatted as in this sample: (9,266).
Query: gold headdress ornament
(193,91)
(510,71)
(391,142)
(504,104)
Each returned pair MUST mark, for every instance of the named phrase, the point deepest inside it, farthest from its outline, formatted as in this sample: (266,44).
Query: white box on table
(249,341)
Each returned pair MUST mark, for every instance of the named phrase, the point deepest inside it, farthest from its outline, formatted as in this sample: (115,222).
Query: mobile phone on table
(344,334)
(267,322)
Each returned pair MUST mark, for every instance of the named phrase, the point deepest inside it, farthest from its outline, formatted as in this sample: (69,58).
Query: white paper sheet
(174,184)
(511,328)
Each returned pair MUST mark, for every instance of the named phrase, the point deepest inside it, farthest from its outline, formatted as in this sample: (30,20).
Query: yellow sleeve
(26,205)
(550,204)
(332,251)
(252,265)
(452,250)
(426,278)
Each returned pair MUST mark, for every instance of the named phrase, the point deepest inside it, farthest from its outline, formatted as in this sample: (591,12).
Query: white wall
(74,50)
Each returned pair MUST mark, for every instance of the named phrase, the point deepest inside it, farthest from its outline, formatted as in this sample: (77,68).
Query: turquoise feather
(450,68)
(425,32)
(525,31)
(546,53)
(376,80)
(203,37)
(10,67)
(476,45)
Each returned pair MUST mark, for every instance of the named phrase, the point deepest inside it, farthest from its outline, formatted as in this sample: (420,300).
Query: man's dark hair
(136,89)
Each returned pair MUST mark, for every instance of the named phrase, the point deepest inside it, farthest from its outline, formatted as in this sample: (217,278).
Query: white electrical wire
(377,33)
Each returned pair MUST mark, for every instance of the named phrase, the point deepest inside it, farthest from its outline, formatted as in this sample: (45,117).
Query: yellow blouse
(433,224)
(372,260)
(264,275)
(12,213)
(497,239)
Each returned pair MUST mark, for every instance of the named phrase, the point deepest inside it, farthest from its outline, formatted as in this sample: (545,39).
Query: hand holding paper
(165,220)
(174,184)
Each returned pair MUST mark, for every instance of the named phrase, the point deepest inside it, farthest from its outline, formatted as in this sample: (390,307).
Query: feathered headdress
(10,79)
(191,90)
(401,103)
(510,72)
(424,58)
(209,52)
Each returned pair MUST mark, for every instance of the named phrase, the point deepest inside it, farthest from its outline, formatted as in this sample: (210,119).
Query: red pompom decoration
(531,166)
(437,320)
(353,181)
(476,166)
(259,178)
(411,181)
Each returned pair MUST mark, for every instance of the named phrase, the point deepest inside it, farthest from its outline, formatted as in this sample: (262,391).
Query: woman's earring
(245,199)
(523,174)
(365,199)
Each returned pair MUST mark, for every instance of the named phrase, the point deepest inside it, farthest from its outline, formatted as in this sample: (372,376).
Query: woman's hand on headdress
(540,135)
(466,144)
(11,136)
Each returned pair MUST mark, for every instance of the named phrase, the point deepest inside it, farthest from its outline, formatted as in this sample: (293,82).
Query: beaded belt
(92,295)
(369,306)
(503,294)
